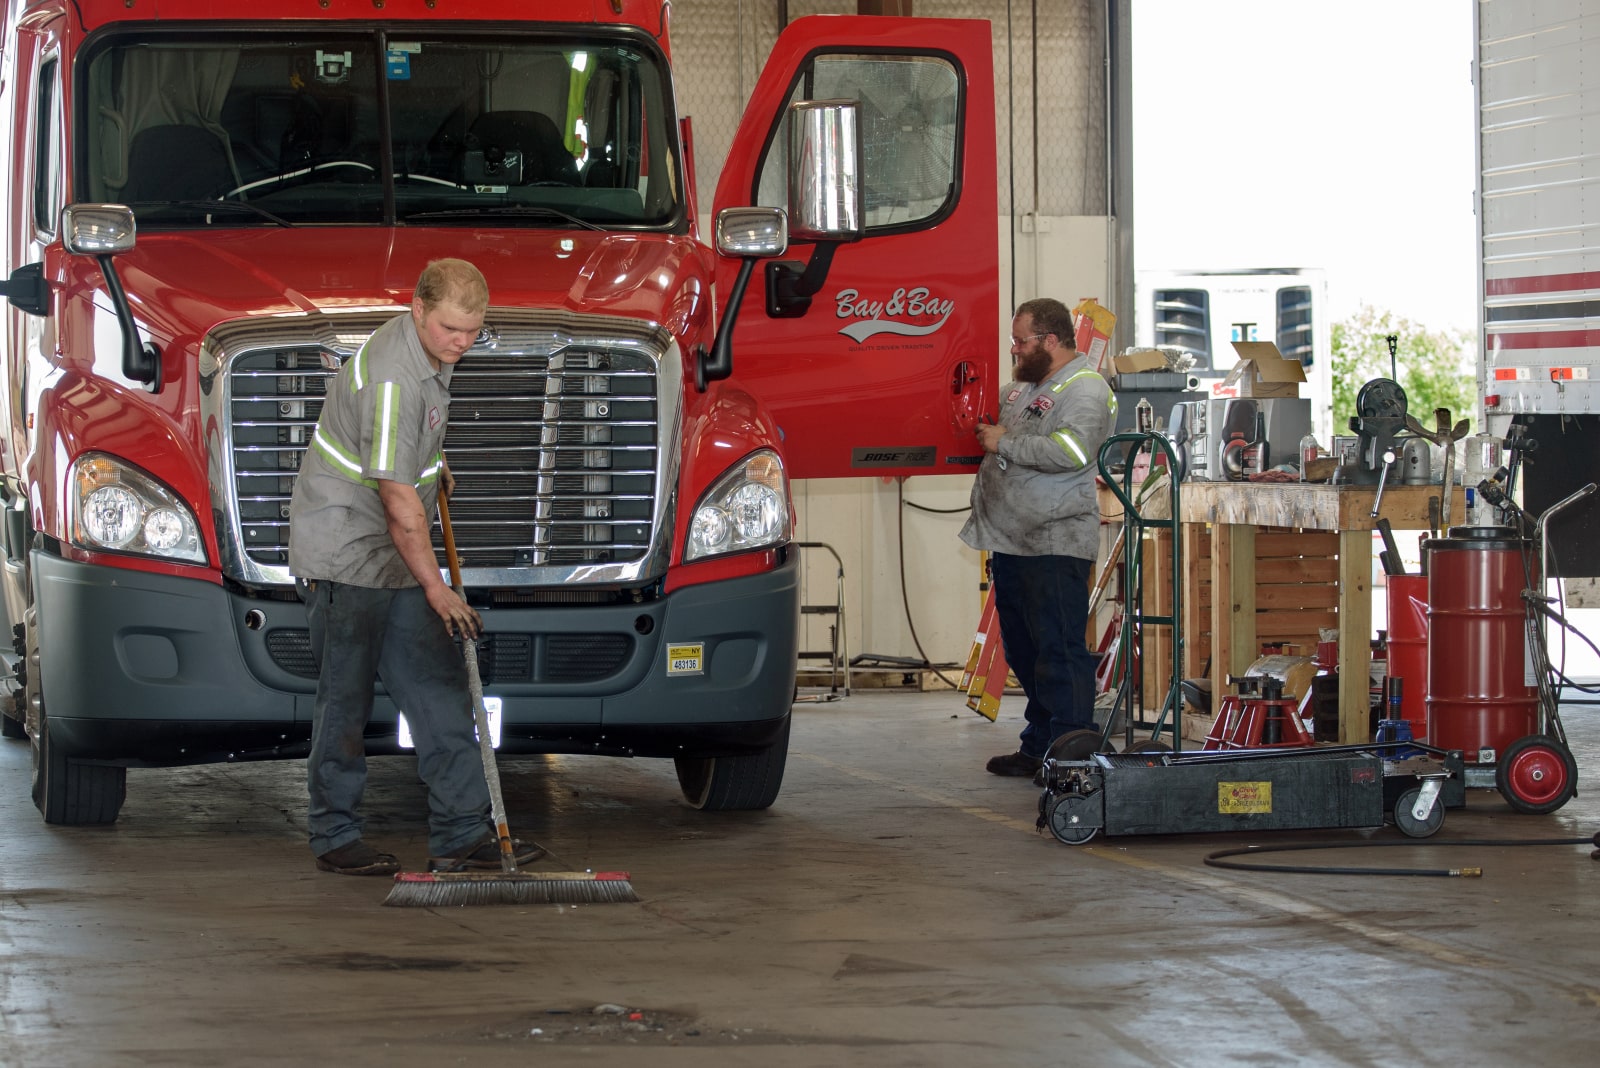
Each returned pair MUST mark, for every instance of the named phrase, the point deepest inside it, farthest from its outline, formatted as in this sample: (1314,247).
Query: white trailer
(1538,209)
(1203,312)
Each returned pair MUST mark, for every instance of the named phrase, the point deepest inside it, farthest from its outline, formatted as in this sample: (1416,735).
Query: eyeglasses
(1015,341)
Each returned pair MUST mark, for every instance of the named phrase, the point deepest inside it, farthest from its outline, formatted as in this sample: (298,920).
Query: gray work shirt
(384,418)
(1036,497)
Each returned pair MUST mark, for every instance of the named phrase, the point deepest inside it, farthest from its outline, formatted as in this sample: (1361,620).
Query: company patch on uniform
(686,659)
(1041,405)
(1013,395)
(433,418)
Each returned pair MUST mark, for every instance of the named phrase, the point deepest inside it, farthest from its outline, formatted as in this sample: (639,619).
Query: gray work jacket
(1036,497)
(384,418)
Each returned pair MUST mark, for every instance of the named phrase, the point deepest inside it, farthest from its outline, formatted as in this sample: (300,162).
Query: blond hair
(455,282)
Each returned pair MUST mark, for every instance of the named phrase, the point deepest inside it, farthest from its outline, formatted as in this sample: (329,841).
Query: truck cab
(207,212)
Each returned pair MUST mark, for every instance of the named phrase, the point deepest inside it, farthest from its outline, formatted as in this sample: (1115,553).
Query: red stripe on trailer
(1541,283)
(1549,339)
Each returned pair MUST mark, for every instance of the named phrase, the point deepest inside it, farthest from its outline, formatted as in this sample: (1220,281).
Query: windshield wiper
(218,206)
(512,210)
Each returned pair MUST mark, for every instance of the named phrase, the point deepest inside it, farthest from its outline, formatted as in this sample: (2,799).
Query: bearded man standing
(1034,511)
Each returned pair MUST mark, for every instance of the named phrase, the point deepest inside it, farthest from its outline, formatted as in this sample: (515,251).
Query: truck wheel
(12,728)
(734,783)
(66,791)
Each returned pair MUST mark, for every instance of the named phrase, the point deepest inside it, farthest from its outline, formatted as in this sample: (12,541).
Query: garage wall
(1056,239)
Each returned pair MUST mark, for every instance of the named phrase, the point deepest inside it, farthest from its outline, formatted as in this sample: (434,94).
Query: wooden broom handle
(449,542)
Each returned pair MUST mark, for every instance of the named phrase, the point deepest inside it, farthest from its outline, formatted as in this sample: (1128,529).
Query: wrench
(1383,476)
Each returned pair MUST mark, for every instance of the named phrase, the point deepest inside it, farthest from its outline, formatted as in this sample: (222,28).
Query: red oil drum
(1477,694)
(1408,648)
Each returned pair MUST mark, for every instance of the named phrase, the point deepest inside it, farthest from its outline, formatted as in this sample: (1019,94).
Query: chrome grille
(554,442)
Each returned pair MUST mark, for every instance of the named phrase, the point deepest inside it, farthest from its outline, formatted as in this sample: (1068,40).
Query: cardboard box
(1135,360)
(1262,371)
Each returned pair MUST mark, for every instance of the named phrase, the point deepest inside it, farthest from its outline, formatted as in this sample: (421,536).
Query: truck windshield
(292,130)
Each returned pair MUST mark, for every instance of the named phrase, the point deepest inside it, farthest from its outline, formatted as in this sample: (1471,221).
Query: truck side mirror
(825,198)
(752,234)
(103,231)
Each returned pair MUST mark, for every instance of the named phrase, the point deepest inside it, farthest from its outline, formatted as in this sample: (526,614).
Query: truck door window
(910,120)
(47,151)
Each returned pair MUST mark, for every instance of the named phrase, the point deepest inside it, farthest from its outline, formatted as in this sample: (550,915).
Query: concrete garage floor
(896,907)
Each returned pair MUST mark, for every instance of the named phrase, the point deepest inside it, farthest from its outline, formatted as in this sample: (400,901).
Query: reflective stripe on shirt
(1070,445)
(384,428)
(339,457)
(1065,437)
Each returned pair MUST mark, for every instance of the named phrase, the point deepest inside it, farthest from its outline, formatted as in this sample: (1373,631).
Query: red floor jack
(1258,717)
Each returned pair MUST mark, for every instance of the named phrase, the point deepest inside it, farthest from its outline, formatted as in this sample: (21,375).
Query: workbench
(1236,510)
(1340,518)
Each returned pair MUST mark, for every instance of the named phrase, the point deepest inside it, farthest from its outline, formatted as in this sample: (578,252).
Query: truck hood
(181,285)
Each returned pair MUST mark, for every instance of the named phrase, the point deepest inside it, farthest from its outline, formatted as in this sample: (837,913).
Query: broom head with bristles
(434,889)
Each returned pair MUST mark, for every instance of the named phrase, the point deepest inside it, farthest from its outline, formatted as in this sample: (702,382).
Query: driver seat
(155,173)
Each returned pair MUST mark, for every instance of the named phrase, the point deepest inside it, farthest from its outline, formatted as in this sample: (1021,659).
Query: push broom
(508,886)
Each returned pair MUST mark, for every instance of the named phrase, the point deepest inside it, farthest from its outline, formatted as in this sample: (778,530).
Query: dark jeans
(359,635)
(1043,606)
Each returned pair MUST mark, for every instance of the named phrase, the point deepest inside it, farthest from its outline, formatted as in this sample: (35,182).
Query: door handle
(966,400)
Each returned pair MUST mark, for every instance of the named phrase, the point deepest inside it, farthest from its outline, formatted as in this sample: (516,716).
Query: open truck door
(876,353)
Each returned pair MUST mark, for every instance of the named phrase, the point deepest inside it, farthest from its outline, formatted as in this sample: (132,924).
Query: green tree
(1435,367)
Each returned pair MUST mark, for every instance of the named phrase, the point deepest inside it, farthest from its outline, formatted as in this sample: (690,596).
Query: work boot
(484,855)
(1017,765)
(358,858)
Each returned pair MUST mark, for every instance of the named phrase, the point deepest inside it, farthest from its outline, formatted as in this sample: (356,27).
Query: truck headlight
(747,508)
(116,506)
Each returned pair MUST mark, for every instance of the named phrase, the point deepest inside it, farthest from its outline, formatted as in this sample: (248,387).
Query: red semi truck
(209,206)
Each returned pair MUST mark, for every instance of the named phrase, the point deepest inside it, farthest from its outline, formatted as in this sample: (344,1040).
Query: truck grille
(553,442)
(502,658)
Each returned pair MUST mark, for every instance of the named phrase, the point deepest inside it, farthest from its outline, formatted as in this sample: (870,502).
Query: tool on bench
(1383,478)
(1445,436)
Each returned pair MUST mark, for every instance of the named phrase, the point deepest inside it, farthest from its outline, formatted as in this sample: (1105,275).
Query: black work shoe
(484,855)
(358,858)
(1014,765)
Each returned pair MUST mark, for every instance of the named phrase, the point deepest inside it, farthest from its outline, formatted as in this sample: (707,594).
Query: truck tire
(735,783)
(67,792)
(12,728)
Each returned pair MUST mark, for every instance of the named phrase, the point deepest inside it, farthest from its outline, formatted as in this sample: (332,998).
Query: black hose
(1215,859)
(905,596)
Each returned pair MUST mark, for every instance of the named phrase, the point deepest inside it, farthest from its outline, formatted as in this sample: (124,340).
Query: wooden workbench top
(1303,505)
(1312,506)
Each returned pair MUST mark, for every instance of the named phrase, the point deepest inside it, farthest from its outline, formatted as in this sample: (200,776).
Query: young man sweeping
(362,554)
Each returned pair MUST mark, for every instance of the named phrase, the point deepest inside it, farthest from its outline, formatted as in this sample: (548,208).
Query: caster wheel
(1408,823)
(1075,818)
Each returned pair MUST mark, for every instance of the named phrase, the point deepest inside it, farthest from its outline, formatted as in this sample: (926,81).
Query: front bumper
(153,670)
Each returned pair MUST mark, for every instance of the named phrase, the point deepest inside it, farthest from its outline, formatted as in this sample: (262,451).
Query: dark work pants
(359,635)
(1043,606)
